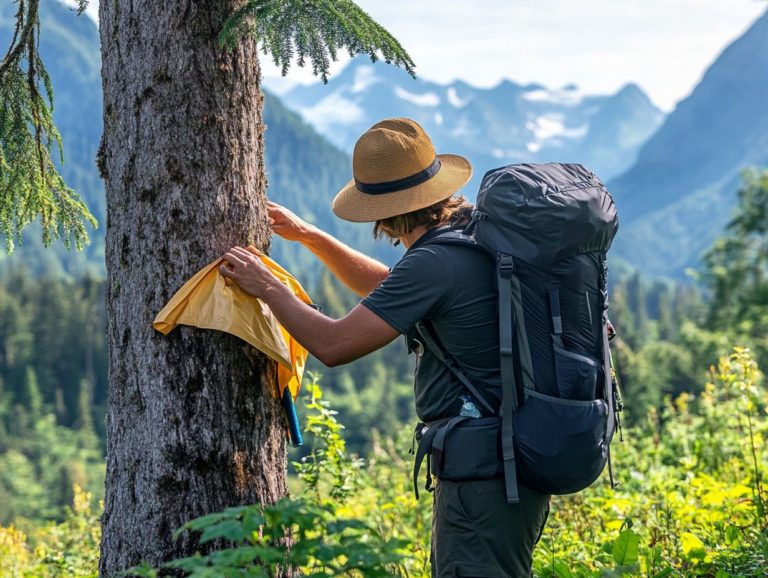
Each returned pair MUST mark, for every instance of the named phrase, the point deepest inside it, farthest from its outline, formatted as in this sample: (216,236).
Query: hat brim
(351,204)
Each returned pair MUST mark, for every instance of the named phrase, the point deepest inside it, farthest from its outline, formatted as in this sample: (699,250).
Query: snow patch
(426,99)
(454,100)
(332,111)
(552,125)
(566,96)
(365,76)
(549,129)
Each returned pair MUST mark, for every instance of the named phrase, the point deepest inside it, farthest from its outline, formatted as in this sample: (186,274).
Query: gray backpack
(549,227)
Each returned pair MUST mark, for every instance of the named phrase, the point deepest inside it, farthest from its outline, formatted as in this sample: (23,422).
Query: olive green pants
(477,534)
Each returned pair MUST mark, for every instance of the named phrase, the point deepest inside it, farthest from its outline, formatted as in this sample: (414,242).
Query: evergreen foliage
(53,335)
(736,268)
(30,184)
(313,31)
(41,460)
(52,357)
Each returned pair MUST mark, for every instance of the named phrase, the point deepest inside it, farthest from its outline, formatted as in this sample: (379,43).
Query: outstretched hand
(286,223)
(244,267)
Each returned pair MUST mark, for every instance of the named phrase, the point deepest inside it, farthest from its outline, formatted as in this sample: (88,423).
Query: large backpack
(549,227)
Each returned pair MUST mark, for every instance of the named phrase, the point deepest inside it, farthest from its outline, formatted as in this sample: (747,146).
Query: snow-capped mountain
(492,127)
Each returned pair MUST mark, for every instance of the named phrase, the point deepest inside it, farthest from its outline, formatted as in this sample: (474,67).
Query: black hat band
(400,184)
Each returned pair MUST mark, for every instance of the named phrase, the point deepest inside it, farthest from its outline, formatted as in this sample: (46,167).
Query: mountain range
(493,127)
(680,192)
(674,178)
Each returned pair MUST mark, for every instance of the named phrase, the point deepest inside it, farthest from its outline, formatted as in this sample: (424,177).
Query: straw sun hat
(396,171)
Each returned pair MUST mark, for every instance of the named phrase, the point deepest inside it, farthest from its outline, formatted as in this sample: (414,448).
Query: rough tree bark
(193,424)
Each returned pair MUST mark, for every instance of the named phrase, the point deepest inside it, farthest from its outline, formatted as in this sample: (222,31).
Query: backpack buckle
(506,266)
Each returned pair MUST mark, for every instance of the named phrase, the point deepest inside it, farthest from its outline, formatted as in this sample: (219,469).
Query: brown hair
(453,210)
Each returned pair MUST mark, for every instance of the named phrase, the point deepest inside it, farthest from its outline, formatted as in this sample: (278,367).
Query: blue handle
(293,419)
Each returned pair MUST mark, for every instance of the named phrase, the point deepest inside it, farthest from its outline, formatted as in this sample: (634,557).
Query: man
(407,190)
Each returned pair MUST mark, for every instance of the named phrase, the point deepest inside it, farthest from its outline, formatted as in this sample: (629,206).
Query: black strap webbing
(508,381)
(505,326)
(432,443)
(425,445)
(438,443)
(608,387)
(557,319)
(431,342)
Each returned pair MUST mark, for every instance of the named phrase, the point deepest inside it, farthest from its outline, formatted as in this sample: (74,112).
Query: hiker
(410,194)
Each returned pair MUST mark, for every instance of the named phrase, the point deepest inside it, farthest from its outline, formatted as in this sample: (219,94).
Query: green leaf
(693,548)
(202,522)
(236,557)
(231,530)
(252,521)
(732,534)
(626,548)
(561,569)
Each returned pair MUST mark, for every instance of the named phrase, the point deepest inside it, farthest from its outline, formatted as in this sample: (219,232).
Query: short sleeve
(416,289)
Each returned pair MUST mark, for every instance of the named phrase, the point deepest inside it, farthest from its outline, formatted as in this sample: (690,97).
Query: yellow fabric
(211,301)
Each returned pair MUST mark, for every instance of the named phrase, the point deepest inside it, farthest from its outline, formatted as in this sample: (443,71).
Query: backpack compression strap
(508,382)
(431,342)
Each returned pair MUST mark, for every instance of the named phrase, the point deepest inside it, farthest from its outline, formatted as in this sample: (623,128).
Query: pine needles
(314,31)
(30,185)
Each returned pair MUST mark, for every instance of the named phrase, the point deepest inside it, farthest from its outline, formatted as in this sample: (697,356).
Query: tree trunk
(193,421)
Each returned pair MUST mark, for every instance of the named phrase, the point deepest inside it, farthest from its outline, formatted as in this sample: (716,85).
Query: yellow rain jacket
(211,301)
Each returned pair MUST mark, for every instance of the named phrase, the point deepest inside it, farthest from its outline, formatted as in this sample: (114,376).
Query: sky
(664,46)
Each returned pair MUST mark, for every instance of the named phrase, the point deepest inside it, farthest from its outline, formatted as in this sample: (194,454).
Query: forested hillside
(680,193)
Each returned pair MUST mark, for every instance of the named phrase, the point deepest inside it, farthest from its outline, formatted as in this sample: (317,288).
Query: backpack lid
(542,213)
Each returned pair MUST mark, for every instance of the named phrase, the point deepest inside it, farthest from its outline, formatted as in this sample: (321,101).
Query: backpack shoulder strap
(452,235)
(431,341)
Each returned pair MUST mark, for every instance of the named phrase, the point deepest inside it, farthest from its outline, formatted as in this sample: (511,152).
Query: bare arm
(360,273)
(332,341)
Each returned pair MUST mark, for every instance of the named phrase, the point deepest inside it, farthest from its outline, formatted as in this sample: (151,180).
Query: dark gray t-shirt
(453,286)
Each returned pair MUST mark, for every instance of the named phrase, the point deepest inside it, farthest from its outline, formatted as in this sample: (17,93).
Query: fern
(313,31)
(30,185)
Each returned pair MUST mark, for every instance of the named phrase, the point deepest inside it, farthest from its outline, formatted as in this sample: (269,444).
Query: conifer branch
(30,184)
(314,31)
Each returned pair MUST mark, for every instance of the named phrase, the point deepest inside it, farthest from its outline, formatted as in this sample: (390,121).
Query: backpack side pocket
(561,443)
